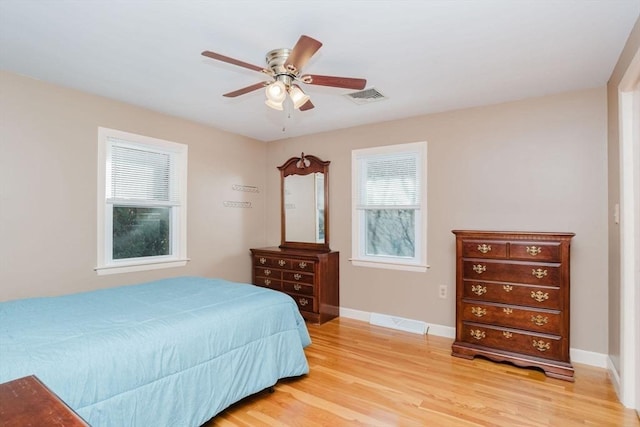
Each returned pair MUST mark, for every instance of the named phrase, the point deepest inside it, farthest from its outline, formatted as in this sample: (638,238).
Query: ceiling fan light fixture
(298,97)
(276,92)
(274,105)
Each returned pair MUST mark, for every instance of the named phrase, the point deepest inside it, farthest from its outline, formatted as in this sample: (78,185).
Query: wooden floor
(363,375)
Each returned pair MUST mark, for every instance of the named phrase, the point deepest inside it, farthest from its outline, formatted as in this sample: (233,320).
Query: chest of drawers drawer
(507,271)
(547,321)
(513,340)
(513,293)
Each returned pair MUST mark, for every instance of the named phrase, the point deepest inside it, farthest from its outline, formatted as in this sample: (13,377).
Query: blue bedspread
(173,352)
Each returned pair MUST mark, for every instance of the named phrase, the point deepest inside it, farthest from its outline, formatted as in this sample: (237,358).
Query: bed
(172,352)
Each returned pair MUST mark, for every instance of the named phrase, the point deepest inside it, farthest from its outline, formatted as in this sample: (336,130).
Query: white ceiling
(425,56)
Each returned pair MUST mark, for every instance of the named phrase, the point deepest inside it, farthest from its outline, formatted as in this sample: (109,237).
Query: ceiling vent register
(366,96)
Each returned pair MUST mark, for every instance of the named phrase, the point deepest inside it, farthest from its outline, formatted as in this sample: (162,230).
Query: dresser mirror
(304,195)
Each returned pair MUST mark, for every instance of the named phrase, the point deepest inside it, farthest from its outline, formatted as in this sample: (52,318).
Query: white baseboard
(615,378)
(590,358)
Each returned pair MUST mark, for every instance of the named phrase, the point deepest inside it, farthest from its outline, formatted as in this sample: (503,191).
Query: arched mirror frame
(304,165)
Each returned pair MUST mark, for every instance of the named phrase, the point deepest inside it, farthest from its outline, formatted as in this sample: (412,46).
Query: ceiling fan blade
(344,82)
(304,49)
(233,61)
(307,106)
(246,90)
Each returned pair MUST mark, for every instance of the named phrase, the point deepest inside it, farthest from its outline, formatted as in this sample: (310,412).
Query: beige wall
(48,180)
(538,164)
(631,47)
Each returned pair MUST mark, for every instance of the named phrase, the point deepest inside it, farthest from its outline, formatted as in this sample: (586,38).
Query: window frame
(358,244)
(178,228)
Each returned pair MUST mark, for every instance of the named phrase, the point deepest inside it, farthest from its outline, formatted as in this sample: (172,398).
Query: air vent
(366,96)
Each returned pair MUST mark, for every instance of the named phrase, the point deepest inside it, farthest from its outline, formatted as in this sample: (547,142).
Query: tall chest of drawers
(310,277)
(512,299)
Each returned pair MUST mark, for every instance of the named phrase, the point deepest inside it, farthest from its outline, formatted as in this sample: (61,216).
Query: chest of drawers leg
(512,299)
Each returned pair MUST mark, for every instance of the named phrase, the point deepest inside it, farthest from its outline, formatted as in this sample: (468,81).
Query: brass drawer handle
(267,272)
(303,301)
(478,289)
(478,311)
(539,273)
(263,260)
(534,250)
(281,262)
(507,334)
(539,320)
(477,334)
(297,276)
(507,288)
(541,345)
(540,296)
(267,282)
(484,248)
(507,310)
(302,265)
(297,286)
(479,268)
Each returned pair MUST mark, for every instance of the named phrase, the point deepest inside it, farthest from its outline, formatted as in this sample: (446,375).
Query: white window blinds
(390,181)
(139,175)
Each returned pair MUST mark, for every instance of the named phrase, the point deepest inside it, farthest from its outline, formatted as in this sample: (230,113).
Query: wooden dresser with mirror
(512,299)
(303,266)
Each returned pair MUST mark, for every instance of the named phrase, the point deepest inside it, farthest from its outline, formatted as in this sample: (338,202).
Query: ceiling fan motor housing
(276,60)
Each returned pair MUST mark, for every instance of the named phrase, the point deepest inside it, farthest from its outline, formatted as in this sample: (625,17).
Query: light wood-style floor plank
(364,375)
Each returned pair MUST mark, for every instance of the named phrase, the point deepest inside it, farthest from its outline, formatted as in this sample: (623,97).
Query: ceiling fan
(284,66)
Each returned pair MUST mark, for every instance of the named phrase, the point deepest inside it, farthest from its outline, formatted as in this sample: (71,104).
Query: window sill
(389,266)
(130,268)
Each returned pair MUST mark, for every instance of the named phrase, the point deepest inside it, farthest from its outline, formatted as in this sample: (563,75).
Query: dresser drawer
(293,276)
(546,321)
(535,251)
(269,272)
(272,262)
(297,288)
(303,265)
(513,293)
(538,345)
(484,249)
(267,282)
(536,274)
(305,303)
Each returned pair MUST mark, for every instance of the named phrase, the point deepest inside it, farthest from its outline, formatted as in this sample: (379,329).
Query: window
(141,202)
(389,207)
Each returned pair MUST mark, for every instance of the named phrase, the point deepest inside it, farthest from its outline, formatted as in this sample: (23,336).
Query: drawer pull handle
(507,310)
(478,289)
(477,334)
(541,345)
(267,282)
(540,296)
(267,272)
(297,276)
(507,288)
(281,262)
(539,273)
(507,334)
(478,311)
(484,248)
(297,286)
(539,320)
(263,260)
(534,250)
(303,301)
(479,268)
(302,265)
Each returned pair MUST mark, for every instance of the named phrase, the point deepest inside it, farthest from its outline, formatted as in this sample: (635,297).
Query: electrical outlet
(443,291)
